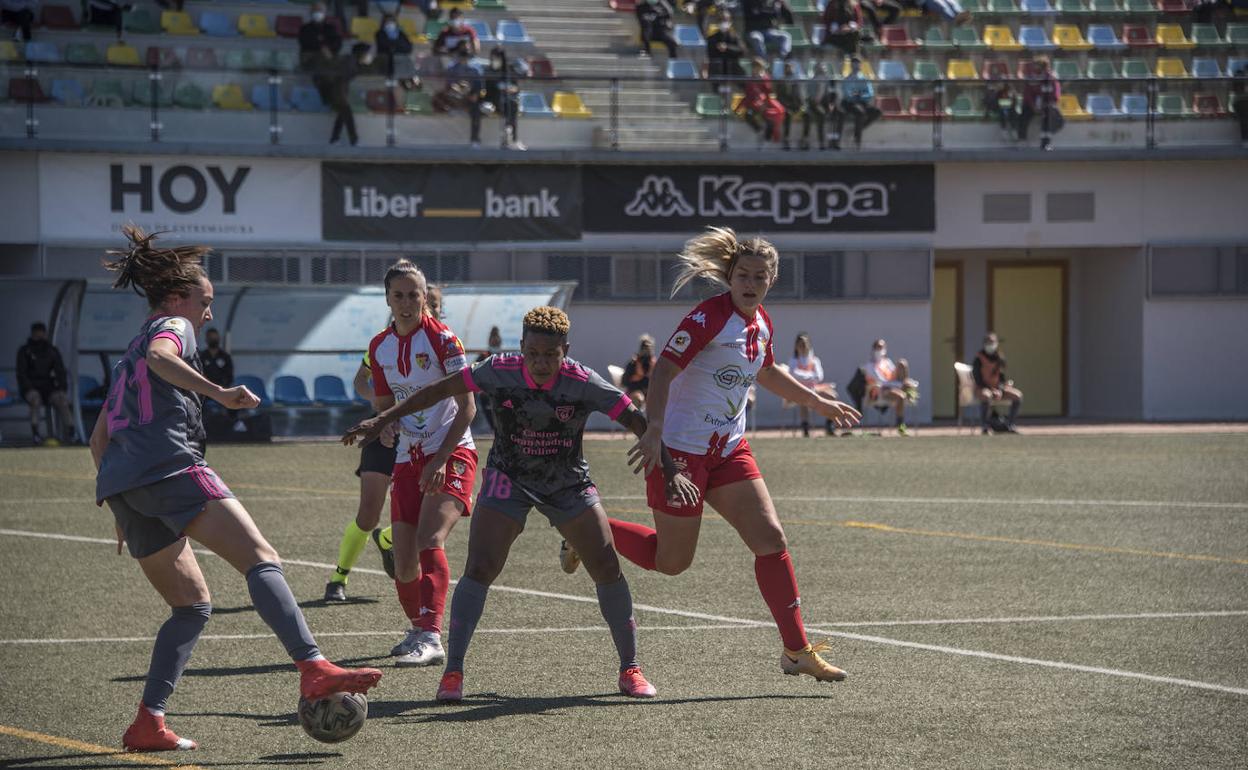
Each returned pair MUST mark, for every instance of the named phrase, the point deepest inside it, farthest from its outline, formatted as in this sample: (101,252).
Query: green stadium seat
(418,103)
(141,21)
(1140,7)
(935,39)
(284,60)
(1172,105)
(1136,68)
(1067,69)
(1206,36)
(141,93)
(107,92)
(1237,35)
(710,106)
(83,53)
(925,69)
(964,108)
(190,96)
(798,34)
(1102,69)
(967,39)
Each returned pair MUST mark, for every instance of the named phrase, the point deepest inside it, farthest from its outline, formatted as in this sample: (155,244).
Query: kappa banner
(767,199)
(396,202)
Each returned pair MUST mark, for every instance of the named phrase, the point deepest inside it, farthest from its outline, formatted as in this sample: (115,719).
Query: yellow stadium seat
(1069,38)
(8,51)
(1171,36)
(1071,109)
(364,28)
(122,55)
(737,99)
(867,70)
(178,23)
(961,69)
(1171,68)
(463,5)
(568,105)
(1000,38)
(255,25)
(414,33)
(230,97)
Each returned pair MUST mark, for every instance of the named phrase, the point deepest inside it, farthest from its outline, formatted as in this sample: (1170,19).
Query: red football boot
(451,688)
(320,678)
(148,733)
(634,685)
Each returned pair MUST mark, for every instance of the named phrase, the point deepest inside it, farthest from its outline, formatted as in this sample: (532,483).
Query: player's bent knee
(673,565)
(483,571)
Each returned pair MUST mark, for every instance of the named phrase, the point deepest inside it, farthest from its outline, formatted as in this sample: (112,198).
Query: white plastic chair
(968,393)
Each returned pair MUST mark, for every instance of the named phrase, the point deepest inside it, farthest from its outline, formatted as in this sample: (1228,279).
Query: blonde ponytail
(714,254)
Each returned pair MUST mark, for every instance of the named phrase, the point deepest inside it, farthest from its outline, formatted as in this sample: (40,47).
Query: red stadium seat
(895,36)
(1028,70)
(922,107)
(623,6)
(540,67)
(287,25)
(58,17)
(996,69)
(890,107)
(1175,6)
(23,90)
(201,58)
(164,58)
(1208,106)
(1138,36)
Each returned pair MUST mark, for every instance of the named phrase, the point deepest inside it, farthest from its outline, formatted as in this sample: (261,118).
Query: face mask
(877,355)
(318,17)
(391,29)
(990,348)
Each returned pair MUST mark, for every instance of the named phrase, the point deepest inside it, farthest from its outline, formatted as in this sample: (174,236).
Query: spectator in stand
(949,10)
(465,87)
(334,82)
(857,102)
(760,104)
(1040,97)
(393,49)
(763,19)
(1001,101)
(791,93)
(889,384)
(41,380)
(502,86)
(878,13)
(456,36)
(433,301)
(429,8)
(21,14)
(704,12)
(654,20)
(1239,102)
(1205,11)
(807,369)
(319,44)
(842,26)
(217,365)
(723,53)
(636,380)
(821,100)
(108,13)
(340,11)
(989,373)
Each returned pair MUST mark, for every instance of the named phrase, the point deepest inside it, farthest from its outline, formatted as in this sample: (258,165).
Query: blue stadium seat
(328,389)
(86,384)
(681,69)
(1101,106)
(1234,66)
(534,103)
(891,69)
(1037,7)
(1035,38)
(1103,38)
(68,92)
(42,51)
(1201,68)
(484,35)
(260,97)
(1135,105)
(307,99)
(290,391)
(8,396)
(688,36)
(512,32)
(255,385)
(217,24)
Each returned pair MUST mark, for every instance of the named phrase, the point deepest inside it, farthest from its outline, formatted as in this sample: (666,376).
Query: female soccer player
(541,400)
(697,411)
(436,462)
(807,369)
(148,448)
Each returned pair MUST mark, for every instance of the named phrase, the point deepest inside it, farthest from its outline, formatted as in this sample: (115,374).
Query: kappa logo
(422,360)
(658,197)
(698,318)
(679,342)
(457,484)
(564,413)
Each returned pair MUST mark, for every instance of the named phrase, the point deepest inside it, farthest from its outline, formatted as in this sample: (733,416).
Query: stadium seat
(996,69)
(364,28)
(287,25)
(1102,69)
(163,58)
(68,92)
(433,28)
(58,17)
(1175,6)
(8,51)
(1071,109)
(256,386)
(512,32)
(1103,38)
(306,99)
(890,106)
(177,23)
(964,108)
(1172,105)
(1037,7)
(216,24)
(328,389)
(710,106)
(1028,69)
(867,70)
(1067,69)
(1206,68)
(229,96)
(922,107)
(1101,106)
(1105,7)
(1135,105)
(255,25)
(1171,68)
(1035,39)
(804,6)
(1206,36)
(688,36)
(1235,66)
(245,59)
(681,69)
(23,90)
(960,69)
(1135,68)
(262,98)
(967,39)
(798,34)
(1001,8)
(1137,36)
(201,58)
(534,103)
(122,55)
(141,93)
(141,21)
(540,67)
(83,53)
(1207,106)
(1237,35)
(379,100)
(42,52)
(484,33)
(999,38)
(1071,7)
(936,40)
(490,5)
(1140,7)
(925,69)
(566,104)
(890,69)
(418,103)
(414,33)
(88,384)
(1171,37)
(284,60)
(290,391)
(108,92)
(896,36)
(190,96)
(1069,38)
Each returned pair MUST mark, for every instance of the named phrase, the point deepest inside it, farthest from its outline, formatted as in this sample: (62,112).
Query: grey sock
(616,603)
(277,607)
(467,604)
(172,650)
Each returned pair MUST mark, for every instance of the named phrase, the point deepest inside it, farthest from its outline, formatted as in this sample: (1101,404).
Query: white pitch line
(988,501)
(981,654)
(1043,619)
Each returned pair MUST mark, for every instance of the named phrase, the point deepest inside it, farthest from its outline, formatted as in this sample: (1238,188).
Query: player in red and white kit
(435,464)
(696,407)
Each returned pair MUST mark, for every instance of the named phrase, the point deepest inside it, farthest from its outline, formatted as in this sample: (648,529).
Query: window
(336,269)
(274,269)
(1198,271)
(1070,207)
(636,277)
(592,274)
(898,274)
(1007,207)
(823,275)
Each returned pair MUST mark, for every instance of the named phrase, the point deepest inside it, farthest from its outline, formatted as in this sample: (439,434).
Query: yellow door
(946,338)
(1027,310)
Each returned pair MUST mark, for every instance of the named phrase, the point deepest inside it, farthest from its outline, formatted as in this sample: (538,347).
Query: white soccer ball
(335,718)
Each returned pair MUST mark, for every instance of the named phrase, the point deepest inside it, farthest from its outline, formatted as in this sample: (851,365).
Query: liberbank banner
(408,202)
(761,198)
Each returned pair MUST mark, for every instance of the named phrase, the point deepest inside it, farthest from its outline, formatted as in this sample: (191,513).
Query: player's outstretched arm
(650,442)
(787,387)
(447,387)
(678,486)
(164,358)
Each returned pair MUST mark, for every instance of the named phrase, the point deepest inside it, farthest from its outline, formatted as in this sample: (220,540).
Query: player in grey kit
(541,400)
(148,448)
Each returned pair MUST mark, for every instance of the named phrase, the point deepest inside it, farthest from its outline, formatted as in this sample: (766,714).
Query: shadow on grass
(267,668)
(305,604)
(77,760)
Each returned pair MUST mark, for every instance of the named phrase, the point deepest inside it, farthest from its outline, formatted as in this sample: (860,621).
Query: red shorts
(706,471)
(405,494)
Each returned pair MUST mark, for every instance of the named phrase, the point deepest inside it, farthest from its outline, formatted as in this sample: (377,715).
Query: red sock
(435,578)
(409,597)
(778,584)
(635,542)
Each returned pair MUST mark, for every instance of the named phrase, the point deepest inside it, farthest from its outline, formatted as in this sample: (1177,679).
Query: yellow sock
(353,541)
(387,542)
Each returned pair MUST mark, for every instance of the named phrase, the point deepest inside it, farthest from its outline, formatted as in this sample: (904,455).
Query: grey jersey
(538,428)
(154,429)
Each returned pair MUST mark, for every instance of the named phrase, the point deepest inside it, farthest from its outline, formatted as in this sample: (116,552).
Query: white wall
(1195,359)
(19,197)
(1109,361)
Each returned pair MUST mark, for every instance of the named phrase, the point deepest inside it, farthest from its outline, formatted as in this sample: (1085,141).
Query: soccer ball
(335,718)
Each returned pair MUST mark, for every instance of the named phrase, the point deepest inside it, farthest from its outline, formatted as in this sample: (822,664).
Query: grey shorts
(153,517)
(514,500)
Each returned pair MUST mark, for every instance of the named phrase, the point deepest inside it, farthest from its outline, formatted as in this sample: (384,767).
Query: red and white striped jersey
(402,365)
(721,352)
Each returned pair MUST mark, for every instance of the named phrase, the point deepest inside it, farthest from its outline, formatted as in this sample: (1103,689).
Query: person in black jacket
(502,88)
(988,369)
(724,52)
(654,18)
(319,43)
(41,379)
(763,19)
(217,364)
(393,49)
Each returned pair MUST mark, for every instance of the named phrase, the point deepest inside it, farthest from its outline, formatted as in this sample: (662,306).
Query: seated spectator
(1040,97)
(654,20)
(988,370)
(361,10)
(1239,102)
(1001,101)
(433,301)
(807,369)
(41,380)
(393,49)
(636,380)
(465,86)
(842,26)
(704,12)
(723,52)
(949,10)
(1205,11)
(878,13)
(108,13)
(760,104)
(821,101)
(456,36)
(763,19)
(217,365)
(175,5)
(502,88)
(791,93)
(21,14)
(888,384)
(319,44)
(857,102)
